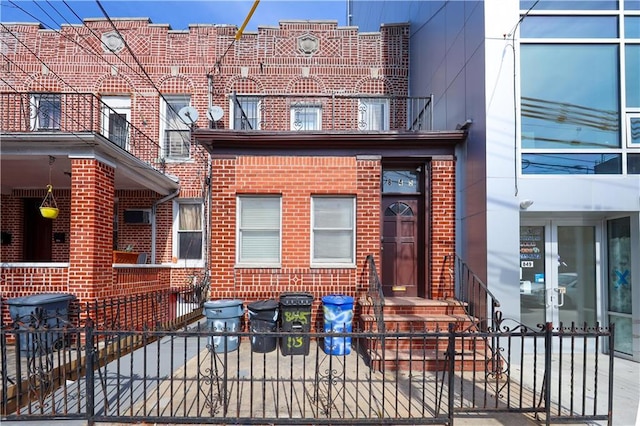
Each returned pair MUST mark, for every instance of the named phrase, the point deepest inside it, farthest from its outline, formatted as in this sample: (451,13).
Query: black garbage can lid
(40,299)
(290,299)
(263,305)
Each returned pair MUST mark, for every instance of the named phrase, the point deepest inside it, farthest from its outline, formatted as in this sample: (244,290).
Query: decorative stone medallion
(308,44)
(112,42)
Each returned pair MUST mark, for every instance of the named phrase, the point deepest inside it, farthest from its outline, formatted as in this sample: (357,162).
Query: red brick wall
(136,235)
(24,281)
(442,226)
(298,179)
(11,222)
(90,257)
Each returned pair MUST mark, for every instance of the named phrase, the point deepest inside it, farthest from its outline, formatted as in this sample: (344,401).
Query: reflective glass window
(632,4)
(633,164)
(632,68)
(569,27)
(633,130)
(571,164)
(403,181)
(632,26)
(565,107)
(569,4)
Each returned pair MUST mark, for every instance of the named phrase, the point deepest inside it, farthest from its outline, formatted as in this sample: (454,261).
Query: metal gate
(177,376)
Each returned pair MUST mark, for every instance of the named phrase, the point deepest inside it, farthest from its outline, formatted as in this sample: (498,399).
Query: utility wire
(135,58)
(73,120)
(170,124)
(61,33)
(186,143)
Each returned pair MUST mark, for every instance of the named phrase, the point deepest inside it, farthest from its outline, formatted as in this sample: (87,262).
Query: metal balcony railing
(318,112)
(74,113)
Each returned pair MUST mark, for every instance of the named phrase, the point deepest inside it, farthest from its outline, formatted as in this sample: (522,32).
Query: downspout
(153,221)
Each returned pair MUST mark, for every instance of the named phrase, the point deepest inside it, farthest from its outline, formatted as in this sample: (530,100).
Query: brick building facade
(307,113)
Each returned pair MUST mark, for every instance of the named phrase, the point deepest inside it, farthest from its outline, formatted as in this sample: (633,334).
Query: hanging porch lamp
(49,207)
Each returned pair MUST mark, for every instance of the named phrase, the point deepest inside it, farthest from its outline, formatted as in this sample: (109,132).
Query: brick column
(443,227)
(91,229)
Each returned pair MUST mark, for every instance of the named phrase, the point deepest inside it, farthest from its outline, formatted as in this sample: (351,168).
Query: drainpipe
(153,221)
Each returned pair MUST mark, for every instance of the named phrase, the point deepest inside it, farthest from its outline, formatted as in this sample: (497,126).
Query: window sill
(257,266)
(332,266)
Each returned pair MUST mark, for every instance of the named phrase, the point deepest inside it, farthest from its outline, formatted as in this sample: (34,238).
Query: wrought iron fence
(205,372)
(480,304)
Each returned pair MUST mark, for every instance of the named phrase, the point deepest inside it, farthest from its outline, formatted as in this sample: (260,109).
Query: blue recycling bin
(224,316)
(337,310)
(41,312)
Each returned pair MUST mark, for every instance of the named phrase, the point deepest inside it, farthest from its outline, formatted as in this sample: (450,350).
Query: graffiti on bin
(336,315)
(225,325)
(297,316)
(295,342)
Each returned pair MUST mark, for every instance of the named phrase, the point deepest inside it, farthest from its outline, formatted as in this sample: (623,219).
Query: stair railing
(480,304)
(374,294)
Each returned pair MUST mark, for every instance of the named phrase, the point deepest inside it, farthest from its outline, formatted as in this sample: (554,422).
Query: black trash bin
(295,316)
(41,311)
(263,319)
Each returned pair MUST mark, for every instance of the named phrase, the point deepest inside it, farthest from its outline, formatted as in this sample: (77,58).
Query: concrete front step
(418,322)
(417,305)
(423,351)
(424,343)
(428,360)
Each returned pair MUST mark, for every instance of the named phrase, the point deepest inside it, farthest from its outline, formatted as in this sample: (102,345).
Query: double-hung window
(245,112)
(176,135)
(373,114)
(116,113)
(46,111)
(306,117)
(259,231)
(189,230)
(333,231)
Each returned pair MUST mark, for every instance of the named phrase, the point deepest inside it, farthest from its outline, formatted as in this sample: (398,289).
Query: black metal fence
(205,372)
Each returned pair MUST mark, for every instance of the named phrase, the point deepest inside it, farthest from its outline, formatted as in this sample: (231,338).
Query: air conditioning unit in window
(137,216)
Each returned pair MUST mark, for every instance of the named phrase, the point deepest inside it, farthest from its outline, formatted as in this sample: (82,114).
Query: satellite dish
(215,113)
(188,114)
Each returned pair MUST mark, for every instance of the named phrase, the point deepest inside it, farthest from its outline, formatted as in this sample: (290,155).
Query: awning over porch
(32,152)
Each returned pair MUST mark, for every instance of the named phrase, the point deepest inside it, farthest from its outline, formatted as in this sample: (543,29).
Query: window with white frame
(333,231)
(189,230)
(176,135)
(373,114)
(46,111)
(258,230)
(633,130)
(306,117)
(116,115)
(245,112)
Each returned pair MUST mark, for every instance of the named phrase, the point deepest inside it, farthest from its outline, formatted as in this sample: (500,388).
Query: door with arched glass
(400,233)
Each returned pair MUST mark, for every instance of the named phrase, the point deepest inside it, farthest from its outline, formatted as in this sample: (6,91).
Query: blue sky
(179,14)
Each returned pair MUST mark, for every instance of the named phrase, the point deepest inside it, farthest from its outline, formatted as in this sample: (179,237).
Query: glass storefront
(558,274)
(619,282)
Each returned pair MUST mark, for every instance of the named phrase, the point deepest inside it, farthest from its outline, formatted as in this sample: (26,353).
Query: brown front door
(400,246)
(37,233)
